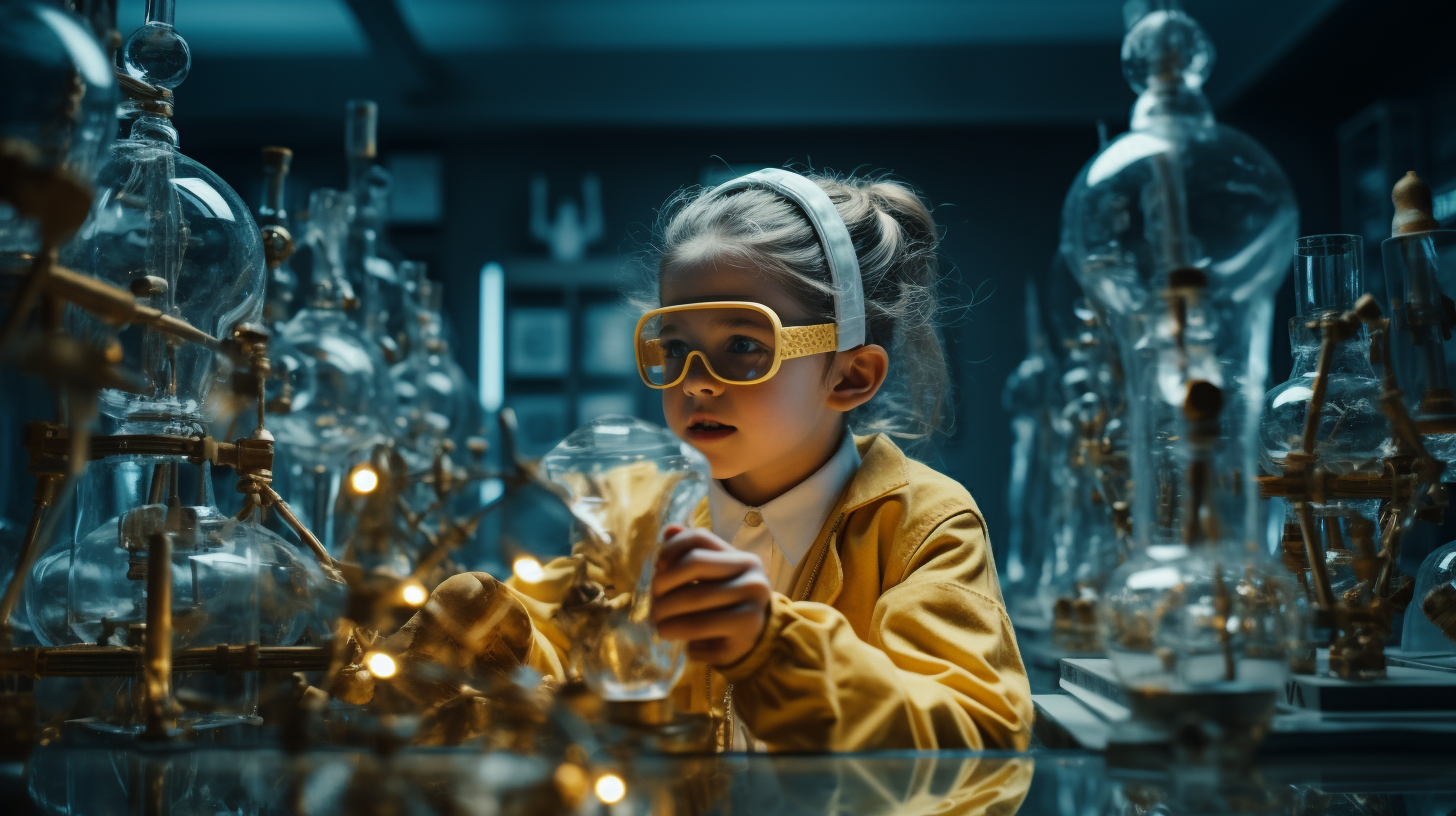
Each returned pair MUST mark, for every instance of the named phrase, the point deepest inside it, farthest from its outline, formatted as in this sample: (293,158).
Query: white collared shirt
(782,531)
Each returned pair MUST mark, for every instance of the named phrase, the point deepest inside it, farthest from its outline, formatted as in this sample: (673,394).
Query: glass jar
(625,479)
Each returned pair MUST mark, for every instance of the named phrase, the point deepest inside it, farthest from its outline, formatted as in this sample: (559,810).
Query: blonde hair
(895,240)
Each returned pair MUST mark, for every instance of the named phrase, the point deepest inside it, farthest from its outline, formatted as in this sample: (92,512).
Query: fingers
(710,651)
(686,600)
(731,623)
(687,539)
(701,565)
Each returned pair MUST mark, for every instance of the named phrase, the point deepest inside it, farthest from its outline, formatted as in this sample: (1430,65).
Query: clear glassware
(1353,435)
(60,109)
(1420,276)
(1026,396)
(1092,494)
(280,302)
(334,408)
(374,265)
(626,480)
(434,394)
(172,232)
(337,375)
(1430,620)
(175,234)
(1178,230)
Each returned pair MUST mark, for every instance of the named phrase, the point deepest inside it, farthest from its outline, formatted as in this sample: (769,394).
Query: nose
(698,381)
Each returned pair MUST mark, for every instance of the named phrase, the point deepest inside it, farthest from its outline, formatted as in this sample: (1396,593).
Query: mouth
(706,430)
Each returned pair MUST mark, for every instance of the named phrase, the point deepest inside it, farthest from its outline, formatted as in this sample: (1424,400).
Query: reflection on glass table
(95,781)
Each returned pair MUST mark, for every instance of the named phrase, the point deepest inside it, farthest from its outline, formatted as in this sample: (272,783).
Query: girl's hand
(709,594)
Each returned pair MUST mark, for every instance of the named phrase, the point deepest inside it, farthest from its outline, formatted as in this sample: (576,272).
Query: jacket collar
(883,470)
(790,518)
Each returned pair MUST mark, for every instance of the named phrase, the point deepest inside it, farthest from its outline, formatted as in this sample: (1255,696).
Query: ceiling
(465,65)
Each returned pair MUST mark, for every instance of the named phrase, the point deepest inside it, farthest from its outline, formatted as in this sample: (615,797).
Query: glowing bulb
(414,594)
(363,479)
(528,569)
(610,789)
(380,665)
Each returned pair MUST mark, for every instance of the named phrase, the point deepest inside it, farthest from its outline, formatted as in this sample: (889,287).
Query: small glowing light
(610,789)
(414,594)
(380,665)
(363,479)
(528,569)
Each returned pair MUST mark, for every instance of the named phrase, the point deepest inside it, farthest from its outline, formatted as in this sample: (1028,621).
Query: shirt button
(753,519)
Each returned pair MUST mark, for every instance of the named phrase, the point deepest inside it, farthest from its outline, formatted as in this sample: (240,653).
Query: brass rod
(286,513)
(1321,384)
(45,495)
(121,661)
(157,639)
(30,290)
(1318,569)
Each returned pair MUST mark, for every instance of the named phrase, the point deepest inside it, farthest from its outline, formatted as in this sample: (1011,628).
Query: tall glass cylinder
(1327,277)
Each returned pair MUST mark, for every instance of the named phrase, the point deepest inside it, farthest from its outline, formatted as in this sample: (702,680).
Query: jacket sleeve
(939,667)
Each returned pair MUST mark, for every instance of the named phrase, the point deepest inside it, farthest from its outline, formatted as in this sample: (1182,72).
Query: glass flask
(58,113)
(373,263)
(173,233)
(433,391)
(626,479)
(337,373)
(1353,436)
(1027,397)
(1179,231)
(1091,536)
(1420,275)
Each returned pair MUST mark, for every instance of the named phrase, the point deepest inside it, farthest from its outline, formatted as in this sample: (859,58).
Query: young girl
(834,594)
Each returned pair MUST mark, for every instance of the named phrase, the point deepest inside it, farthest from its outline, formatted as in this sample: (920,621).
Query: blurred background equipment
(286,438)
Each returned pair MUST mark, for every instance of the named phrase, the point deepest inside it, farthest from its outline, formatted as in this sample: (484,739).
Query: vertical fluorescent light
(492,336)
(492,354)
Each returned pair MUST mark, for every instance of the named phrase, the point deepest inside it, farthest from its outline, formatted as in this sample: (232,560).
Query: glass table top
(252,782)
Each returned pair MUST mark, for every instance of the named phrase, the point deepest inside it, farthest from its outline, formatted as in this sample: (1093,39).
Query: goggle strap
(802,341)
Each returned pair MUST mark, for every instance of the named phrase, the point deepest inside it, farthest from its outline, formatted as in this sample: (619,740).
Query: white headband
(849,313)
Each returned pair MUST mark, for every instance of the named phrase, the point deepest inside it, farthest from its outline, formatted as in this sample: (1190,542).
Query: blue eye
(743,345)
(674,349)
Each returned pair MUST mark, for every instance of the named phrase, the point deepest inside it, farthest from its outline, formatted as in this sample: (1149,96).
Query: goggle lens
(737,343)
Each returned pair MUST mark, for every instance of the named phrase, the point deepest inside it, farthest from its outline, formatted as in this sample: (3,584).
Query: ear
(856,376)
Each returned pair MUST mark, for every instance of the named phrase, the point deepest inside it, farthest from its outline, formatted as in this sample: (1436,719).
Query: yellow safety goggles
(738,342)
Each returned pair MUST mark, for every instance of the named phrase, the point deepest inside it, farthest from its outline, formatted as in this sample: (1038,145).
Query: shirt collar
(794,518)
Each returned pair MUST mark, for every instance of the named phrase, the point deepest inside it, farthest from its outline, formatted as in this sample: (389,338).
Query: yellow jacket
(895,636)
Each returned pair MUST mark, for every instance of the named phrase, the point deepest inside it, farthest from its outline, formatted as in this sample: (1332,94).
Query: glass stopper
(1163,41)
(156,53)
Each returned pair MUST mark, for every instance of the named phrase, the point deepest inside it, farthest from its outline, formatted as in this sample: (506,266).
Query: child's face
(748,428)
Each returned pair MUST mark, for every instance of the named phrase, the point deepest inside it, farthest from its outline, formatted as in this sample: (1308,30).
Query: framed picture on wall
(539,342)
(542,421)
(607,340)
(596,405)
